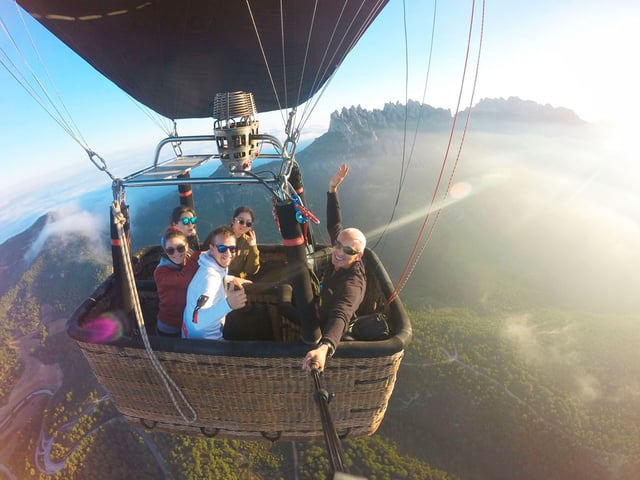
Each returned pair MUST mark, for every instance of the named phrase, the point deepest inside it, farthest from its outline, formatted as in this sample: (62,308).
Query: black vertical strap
(186,200)
(334,446)
(297,271)
(185,192)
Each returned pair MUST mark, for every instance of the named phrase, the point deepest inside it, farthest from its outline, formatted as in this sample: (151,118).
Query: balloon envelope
(174,56)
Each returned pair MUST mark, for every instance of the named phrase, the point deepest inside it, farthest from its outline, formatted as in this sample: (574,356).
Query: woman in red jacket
(177,267)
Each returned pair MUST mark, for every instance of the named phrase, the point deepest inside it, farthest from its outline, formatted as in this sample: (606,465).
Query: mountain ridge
(361,125)
(503,370)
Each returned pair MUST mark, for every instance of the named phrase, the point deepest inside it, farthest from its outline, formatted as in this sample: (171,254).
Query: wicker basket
(245,397)
(245,389)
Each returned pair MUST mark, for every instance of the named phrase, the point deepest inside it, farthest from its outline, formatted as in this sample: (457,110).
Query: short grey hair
(358,237)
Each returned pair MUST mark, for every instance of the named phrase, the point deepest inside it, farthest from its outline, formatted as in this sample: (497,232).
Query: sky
(571,54)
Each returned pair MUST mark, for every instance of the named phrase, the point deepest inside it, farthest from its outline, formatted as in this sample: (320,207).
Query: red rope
(414,257)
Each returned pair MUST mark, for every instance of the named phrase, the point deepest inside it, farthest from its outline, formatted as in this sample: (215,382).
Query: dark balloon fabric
(174,56)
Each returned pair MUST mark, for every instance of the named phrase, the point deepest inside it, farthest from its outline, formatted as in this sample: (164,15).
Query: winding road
(38,380)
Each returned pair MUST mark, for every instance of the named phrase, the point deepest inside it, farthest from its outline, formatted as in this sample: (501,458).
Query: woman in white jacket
(212,293)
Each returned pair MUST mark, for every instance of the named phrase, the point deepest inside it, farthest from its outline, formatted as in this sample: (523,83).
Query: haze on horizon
(563,54)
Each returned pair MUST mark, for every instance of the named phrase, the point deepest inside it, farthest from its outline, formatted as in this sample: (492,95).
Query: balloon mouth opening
(235,128)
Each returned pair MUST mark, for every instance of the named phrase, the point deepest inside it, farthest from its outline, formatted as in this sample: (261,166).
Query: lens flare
(460,190)
(104,329)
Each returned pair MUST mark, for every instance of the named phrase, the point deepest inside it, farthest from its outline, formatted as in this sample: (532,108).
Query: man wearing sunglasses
(343,284)
(212,294)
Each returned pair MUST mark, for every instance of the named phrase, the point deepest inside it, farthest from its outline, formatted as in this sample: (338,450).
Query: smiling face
(351,241)
(176,250)
(218,243)
(242,223)
(188,228)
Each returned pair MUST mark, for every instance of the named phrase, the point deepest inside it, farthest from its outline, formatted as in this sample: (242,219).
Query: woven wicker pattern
(244,387)
(242,397)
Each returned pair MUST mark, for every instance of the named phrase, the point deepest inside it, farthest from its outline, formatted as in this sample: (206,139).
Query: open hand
(338,177)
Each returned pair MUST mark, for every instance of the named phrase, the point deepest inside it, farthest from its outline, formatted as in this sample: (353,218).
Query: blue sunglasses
(224,248)
(187,220)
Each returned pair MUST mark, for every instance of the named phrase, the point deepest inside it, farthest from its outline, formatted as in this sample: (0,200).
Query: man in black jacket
(343,286)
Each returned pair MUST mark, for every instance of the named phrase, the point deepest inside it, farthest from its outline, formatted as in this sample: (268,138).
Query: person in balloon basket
(185,219)
(177,267)
(246,262)
(344,283)
(212,293)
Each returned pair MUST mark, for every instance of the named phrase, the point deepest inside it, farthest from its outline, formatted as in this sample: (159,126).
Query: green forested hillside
(526,318)
(544,394)
(63,273)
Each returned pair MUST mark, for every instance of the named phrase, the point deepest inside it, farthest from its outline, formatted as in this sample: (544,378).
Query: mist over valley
(524,303)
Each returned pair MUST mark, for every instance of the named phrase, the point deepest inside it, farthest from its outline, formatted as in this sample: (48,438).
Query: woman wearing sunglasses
(185,219)
(246,262)
(177,267)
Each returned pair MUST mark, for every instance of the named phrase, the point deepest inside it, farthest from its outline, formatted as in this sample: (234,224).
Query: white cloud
(70,220)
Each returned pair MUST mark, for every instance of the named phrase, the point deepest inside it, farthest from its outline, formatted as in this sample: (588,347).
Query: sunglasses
(172,250)
(248,223)
(187,220)
(345,248)
(224,248)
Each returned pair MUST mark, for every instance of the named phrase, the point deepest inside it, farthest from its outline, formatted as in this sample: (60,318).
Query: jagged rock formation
(359,127)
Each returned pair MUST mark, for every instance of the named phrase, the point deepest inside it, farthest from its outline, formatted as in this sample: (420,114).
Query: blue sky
(573,54)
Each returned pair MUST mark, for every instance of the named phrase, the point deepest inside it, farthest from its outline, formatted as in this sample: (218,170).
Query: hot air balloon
(227,60)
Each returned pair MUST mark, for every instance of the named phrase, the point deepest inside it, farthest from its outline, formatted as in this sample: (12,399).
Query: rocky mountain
(359,126)
(524,308)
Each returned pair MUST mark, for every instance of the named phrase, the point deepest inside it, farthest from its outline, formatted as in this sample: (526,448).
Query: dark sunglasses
(345,249)
(186,220)
(224,248)
(248,223)
(172,250)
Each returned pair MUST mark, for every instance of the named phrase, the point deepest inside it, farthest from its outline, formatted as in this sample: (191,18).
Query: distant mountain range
(358,125)
(371,142)
(524,303)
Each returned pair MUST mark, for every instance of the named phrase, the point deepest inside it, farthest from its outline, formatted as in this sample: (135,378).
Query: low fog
(554,211)
(551,210)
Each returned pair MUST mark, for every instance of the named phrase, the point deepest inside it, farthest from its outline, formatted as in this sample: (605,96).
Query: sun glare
(619,139)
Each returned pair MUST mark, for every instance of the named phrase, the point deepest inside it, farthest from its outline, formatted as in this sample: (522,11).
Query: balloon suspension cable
(334,446)
(177,146)
(169,383)
(416,252)
(117,188)
(99,162)
(290,122)
(293,136)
